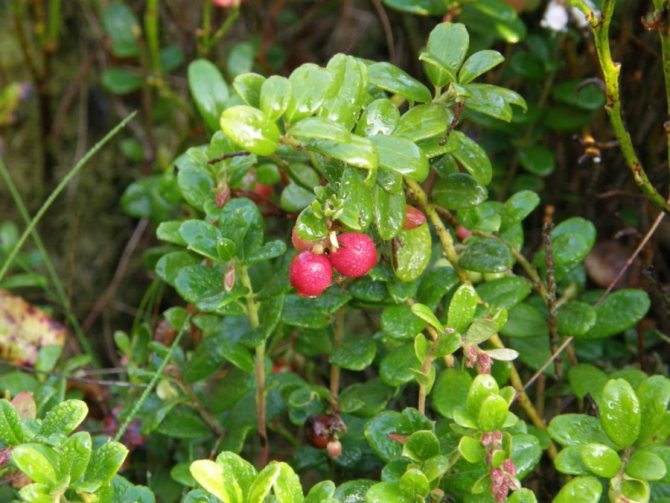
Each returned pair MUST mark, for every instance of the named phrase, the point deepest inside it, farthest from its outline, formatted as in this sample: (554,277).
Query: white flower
(556,16)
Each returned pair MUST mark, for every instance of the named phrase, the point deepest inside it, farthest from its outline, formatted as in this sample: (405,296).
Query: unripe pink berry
(310,274)
(355,256)
(303,244)
(413,218)
(463,233)
(334,448)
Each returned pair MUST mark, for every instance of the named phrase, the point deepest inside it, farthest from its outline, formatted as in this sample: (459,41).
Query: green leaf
(275,96)
(577,429)
(396,367)
(537,160)
(419,7)
(654,394)
(522,495)
(122,26)
(481,330)
(645,465)
(205,239)
(378,429)
(121,81)
(494,101)
(355,353)
(471,449)
(203,286)
(399,322)
(386,492)
(524,320)
(569,461)
(251,129)
(482,387)
(356,151)
(380,117)
(427,315)
(389,212)
(316,128)
(486,255)
(295,198)
(396,81)
(169,231)
(575,318)
(39,462)
(620,412)
(321,492)
(170,264)
(620,311)
(458,191)
(423,121)
(411,252)
(208,90)
(601,460)
(279,478)
(10,424)
(586,379)
(575,93)
(309,227)
(462,308)
(357,212)
(421,445)
(401,156)
(526,453)
(472,157)
(241,222)
(414,484)
(504,293)
(478,64)
(582,489)
(105,463)
(310,86)
(211,476)
(350,80)
(63,418)
(248,87)
(493,413)
(519,206)
(450,391)
(195,182)
(447,43)
(75,455)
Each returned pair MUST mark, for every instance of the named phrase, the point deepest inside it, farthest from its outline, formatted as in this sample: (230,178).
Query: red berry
(303,244)
(463,233)
(355,256)
(310,274)
(413,218)
(262,190)
(318,431)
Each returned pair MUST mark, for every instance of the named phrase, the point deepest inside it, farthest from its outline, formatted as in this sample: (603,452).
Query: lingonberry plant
(386,356)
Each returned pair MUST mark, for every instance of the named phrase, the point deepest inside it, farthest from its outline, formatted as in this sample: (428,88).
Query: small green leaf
(355,353)
(205,239)
(448,43)
(458,191)
(121,81)
(519,206)
(316,128)
(620,311)
(525,320)
(399,322)
(350,80)
(462,308)
(569,461)
(396,81)
(401,156)
(310,86)
(471,449)
(575,318)
(75,455)
(251,129)
(600,459)
(414,484)
(248,87)
(645,465)
(39,462)
(428,316)
(504,293)
(483,386)
(389,212)
(210,475)
(396,367)
(10,424)
(537,160)
(654,394)
(423,121)
(582,489)
(492,413)
(122,26)
(105,463)
(385,492)
(577,429)
(472,157)
(357,212)
(481,330)
(412,250)
(620,412)
(486,255)
(208,90)
(275,96)
(494,101)
(586,379)
(63,418)
(421,445)
(478,64)
(379,118)
(356,151)
(279,478)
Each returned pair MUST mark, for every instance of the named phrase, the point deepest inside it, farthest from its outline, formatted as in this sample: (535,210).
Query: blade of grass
(61,186)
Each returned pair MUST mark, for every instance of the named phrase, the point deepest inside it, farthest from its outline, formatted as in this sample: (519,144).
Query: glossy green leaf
(357,212)
(486,255)
(471,449)
(205,239)
(450,391)
(10,425)
(504,292)
(39,462)
(401,156)
(105,463)
(238,469)
(317,128)
(419,7)
(75,455)
(195,181)
(385,492)
(519,206)
(582,489)
(472,157)
(350,79)
(569,461)
(412,250)
(645,465)
(379,117)
(635,490)
(251,129)
(170,264)
(295,198)
(396,367)
(356,151)
(492,413)
(654,395)
(423,121)
(275,96)
(537,160)
(355,353)
(525,320)
(577,429)
(458,191)
(478,64)
(122,26)
(169,231)
(494,101)
(576,93)
(621,310)
(447,43)
(600,459)
(63,418)
(121,81)
(414,484)
(210,475)
(427,315)
(586,379)
(480,330)
(421,445)
(309,226)
(311,85)
(526,453)
(620,413)
(399,322)
(575,318)
(483,386)
(522,495)
(378,429)
(396,81)
(389,212)
(248,87)
(462,308)
(208,90)
(321,492)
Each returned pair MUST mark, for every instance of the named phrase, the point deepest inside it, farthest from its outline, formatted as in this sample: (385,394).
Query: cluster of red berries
(312,270)
(322,433)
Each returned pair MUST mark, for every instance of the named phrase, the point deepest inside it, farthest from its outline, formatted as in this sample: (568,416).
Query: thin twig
(84,380)
(227,156)
(386,26)
(550,297)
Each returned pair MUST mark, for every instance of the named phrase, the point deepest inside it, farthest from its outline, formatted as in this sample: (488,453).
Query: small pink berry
(303,244)
(355,256)
(334,449)
(413,218)
(463,233)
(310,274)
